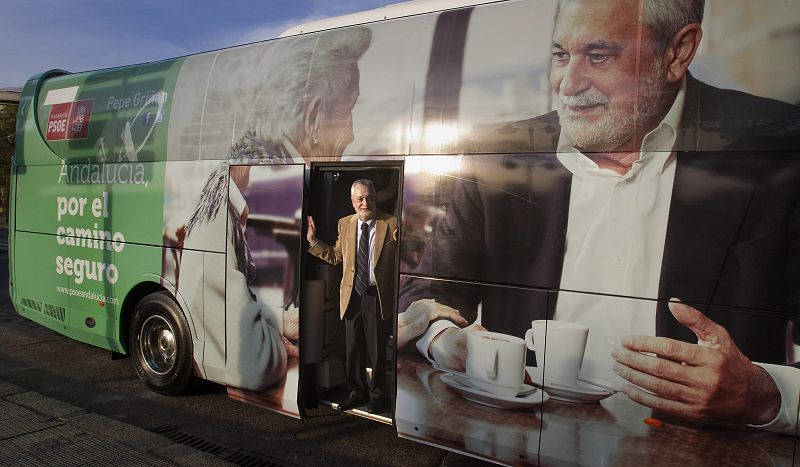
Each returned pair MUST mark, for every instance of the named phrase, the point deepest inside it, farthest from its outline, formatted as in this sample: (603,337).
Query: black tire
(161,345)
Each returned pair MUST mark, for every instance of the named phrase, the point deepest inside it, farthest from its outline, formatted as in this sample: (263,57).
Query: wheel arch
(133,297)
(142,289)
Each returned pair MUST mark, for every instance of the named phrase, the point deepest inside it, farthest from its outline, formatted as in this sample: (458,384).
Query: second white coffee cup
(559,347)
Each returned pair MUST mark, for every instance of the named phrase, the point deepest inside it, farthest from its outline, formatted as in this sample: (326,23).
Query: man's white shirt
(616,231)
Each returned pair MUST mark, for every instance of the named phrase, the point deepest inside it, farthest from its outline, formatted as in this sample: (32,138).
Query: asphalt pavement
(36,430)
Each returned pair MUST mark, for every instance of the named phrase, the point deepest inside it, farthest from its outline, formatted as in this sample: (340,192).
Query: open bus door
(323,332)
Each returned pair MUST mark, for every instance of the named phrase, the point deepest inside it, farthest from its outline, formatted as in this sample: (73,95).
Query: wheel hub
(158,345)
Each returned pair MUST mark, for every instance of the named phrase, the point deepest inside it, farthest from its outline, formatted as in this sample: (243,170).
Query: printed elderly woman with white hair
(296,103)
(304,93)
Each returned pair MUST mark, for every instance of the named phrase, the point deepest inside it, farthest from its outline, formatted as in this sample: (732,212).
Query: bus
(598,201)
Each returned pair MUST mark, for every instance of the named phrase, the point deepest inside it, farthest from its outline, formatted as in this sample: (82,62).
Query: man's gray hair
(365,182)
(296,69)
(664,18)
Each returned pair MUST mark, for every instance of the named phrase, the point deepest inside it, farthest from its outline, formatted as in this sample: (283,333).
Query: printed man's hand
(449,348)
(708,381)
(415,320)
(291,324)
(311,235)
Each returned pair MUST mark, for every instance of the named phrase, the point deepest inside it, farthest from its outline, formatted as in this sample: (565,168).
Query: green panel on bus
(40,293)
(89,248)
(121,202)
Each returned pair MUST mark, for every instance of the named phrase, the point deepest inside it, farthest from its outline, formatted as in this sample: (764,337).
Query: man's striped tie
(362,260)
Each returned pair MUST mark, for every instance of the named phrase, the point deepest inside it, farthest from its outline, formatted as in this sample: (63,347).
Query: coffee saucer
(524,390)
(528,396)
(582,393)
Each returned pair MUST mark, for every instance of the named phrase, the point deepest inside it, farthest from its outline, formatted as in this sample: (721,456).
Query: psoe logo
(69,120)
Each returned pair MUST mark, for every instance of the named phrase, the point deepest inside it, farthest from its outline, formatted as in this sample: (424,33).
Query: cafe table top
(614,431)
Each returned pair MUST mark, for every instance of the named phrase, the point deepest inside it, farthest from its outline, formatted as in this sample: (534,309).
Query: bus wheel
(161,345)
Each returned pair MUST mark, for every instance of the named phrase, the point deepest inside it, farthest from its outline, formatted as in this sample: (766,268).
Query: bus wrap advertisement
(598,206)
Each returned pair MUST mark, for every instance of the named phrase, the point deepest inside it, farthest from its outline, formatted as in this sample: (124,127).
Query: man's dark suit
(733,235)
(374,345)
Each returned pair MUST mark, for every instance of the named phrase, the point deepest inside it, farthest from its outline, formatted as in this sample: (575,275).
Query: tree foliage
(8,119)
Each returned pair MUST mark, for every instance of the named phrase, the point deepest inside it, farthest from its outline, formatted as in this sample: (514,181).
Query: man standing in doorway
(366,247)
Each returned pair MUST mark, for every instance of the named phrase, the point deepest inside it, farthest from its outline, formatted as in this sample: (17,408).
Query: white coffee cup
(496,362)
(559,347)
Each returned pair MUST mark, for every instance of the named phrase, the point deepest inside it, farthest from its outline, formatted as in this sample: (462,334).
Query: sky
(80,35)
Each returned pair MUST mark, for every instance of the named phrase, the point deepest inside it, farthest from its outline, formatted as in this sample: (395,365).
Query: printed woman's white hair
(296,69)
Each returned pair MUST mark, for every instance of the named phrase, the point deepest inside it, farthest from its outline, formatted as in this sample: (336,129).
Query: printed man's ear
(680,51)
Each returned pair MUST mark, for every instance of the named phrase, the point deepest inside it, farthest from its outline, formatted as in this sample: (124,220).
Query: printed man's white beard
(609,132)
(620,124)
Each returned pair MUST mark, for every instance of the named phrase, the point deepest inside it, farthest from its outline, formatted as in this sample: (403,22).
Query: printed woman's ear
(312,118)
